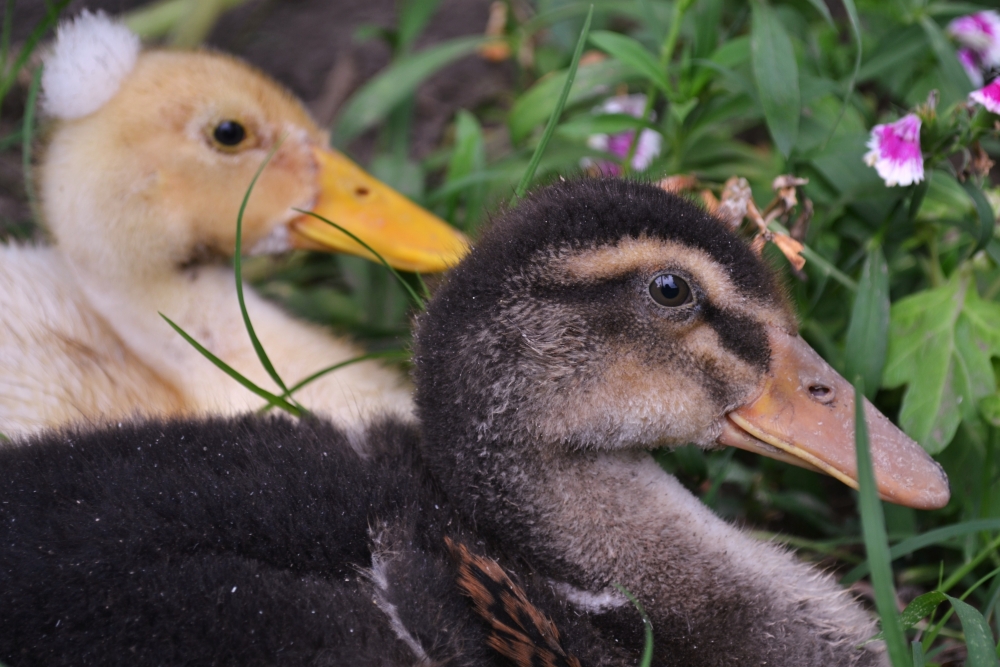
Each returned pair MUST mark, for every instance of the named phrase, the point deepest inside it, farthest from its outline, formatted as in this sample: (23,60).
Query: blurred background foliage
(900,286)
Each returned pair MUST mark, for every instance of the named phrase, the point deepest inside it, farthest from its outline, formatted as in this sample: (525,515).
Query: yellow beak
(804,414)
(405,235)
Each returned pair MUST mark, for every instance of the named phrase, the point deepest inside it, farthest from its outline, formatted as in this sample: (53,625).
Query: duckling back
(248,541)
(59,361)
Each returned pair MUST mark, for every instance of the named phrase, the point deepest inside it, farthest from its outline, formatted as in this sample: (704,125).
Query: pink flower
(979,32)
(972,64)
(619,144)
(895,151)
(989,96)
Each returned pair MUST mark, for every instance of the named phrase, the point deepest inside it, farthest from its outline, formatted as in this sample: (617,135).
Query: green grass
(714,111)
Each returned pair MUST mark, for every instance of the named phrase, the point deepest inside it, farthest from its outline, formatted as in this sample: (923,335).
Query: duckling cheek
(630,400)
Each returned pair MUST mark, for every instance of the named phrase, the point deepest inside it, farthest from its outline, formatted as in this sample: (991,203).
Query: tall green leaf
(9,76)
(776,74)
(647,653)
(373,102)
(272,399)
(868,332)
(468,158)
(931,537)
(413,17)
(550,127)
(27,138)
(953,75)
(258,347)
(987,217)
(852,16)
(876,544)
(536,104)
(940,344)
(633,54)
(978,639)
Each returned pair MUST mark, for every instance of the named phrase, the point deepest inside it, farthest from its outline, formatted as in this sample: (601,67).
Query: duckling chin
(148,161)
(592,323)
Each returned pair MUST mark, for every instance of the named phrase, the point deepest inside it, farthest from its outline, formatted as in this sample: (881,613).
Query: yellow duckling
(141,182)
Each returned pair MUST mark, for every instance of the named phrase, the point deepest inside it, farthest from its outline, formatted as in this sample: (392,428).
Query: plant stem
(666,55)
(536,157)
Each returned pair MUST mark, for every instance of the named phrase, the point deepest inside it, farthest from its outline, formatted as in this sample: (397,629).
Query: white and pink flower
(972,64)
(988,96)
(979,36)
(648,148)
(895,151)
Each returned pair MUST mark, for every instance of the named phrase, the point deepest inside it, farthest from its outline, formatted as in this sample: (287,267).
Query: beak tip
(933,493)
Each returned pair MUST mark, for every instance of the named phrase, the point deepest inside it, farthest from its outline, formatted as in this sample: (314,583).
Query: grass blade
(876,545)
(390,354)
(529,173)
(27,137)
(931,537)
(51,16)
(373,102)
(535,105)
(8,21)
(413,17)
(647,652)
(852,17)
(416,297)
(987,219)
(238,270)
(272,399)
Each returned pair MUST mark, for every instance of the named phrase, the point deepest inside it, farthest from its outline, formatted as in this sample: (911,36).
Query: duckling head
(607,315)
(153,152)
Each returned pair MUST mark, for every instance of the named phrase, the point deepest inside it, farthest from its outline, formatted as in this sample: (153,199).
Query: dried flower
(619,144)
(895,151)
(988,96)
(979,32)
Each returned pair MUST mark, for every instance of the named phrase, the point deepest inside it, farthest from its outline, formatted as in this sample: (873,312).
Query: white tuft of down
(91,57)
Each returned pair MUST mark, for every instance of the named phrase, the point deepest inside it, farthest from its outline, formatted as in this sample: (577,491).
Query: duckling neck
(202,301)
(588,520)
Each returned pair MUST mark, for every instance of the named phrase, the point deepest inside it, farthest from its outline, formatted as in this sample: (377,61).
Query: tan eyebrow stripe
(651,255)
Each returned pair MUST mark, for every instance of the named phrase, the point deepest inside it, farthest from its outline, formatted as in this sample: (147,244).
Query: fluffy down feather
(91,57)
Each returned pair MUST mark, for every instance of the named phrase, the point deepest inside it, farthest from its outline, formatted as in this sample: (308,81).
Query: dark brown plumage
(547,365)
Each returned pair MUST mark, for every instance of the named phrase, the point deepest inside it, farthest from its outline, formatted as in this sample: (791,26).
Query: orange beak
(804,415)
(405,235)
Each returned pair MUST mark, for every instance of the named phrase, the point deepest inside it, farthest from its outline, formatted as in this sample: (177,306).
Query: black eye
(669,290)
(229,133)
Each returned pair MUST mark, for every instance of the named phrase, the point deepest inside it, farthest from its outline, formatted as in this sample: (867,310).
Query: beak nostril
(821,393)
(361,191)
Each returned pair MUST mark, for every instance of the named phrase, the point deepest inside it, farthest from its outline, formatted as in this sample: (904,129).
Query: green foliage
(876,542)
(940,345)
(978,638)
(372,104)
(647,653)
(777,76)
(867,334)
(901,285)
(550,127)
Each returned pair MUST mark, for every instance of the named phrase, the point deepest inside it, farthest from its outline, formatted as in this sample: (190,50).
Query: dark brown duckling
(595,321)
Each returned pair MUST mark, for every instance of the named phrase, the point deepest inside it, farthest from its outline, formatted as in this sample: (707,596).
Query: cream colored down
(136,196)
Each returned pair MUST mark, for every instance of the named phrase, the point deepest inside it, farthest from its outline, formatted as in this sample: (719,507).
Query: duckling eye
(229,133)
(669,290)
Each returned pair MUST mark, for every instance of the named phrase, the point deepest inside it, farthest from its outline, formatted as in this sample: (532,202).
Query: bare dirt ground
(310,46)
